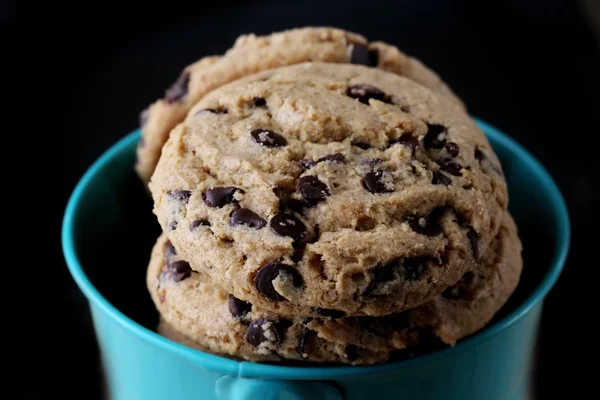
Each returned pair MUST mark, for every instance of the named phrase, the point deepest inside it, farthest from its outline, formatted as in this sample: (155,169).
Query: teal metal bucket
(104,213)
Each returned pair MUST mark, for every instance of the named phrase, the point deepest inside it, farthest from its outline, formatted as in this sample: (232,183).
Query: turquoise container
(109,208)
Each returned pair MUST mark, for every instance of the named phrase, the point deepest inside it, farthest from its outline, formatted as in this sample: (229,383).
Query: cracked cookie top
(329,186)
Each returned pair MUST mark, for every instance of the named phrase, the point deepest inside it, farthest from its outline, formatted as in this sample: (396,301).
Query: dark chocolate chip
(263,281)
(362,145)
(450,167)
(371,162)
(439,178)
(257,332)
(312,189)
(258,102)
(173,225)
(361,55)
(408,140)
(381,274)
(432,139)
(287,203)
(238,308)
(468,186)
(268,138)
(364,93)
(452,148)
(298,253)
(307,163)
(169,251)
(326,312)
(180,195)
(479,155)
(220,195)
(144,115)
(244,216)
(199,222)
(427,226)
(307,342)
(351,352)
(176,271)
(334,158)
(178,90)
(378,182)
(218,110)
(414,267)
(288,225)
(474,240)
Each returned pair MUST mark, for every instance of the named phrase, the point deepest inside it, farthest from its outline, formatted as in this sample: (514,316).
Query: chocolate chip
(365,92)
(180,195)
(307,342)
(244,216)
(258,102)
(173,225)
(312,189)
(351,352)
(220,195)
(287,203)
(260,331)
(474,240)
(238,308)
(178,90)
(288,225)
(371,162)
(360,54)
(378,182)
(218,110)
(268,138)
(199,222)
(362,145)
(263,281)
(479,155)
(414,267)
(144,115)
(427,226)
(335,158)
(450,167)
(380,275)
(169,252)
(326,312)
(452,148)
(432,139)
(307,163)
(298,253)
(468,186)
(408,140)
(439,178)
(176,271)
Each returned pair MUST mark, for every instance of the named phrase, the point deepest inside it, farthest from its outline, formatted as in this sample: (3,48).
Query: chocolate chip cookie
(329,186)
(195,312)
(251,54)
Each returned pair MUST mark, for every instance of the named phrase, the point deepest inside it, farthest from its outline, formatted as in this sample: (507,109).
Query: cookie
(251,54)
(345,188)
(195,312)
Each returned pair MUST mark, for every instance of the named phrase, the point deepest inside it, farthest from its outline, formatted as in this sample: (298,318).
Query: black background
(530,67)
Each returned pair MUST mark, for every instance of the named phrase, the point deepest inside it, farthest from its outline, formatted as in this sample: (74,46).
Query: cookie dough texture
(329,186)
(195,312)
(251,54)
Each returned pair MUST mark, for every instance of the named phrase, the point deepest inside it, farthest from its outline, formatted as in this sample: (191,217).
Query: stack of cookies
(322,199)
